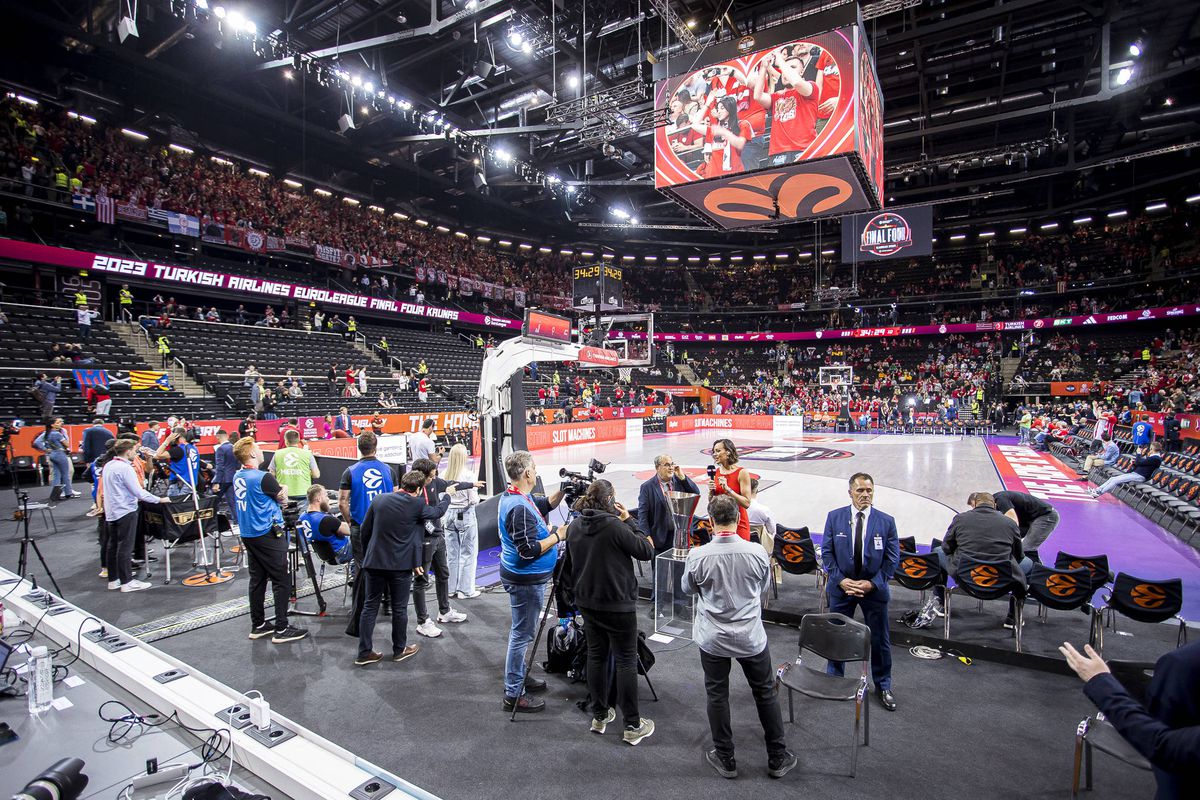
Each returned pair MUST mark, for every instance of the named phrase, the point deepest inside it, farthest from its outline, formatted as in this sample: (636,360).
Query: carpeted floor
(981,731)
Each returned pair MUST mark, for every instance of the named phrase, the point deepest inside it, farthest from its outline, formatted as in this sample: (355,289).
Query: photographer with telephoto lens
(600,545)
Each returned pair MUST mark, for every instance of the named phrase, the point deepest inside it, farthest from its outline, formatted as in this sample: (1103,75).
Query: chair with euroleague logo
(796,554)
(702,529)
(908,544)
(1063,590)
(1144,600)
(919,572)
(987,580)
(1097,566)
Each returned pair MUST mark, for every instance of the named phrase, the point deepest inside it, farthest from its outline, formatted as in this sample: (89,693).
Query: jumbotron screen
(782,105)
(550,327)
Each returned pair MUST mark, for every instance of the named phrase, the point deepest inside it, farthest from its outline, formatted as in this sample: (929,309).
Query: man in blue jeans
(528,553)
(1145,462)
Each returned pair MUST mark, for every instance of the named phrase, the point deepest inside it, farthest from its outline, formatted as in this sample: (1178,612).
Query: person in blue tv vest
(860,551)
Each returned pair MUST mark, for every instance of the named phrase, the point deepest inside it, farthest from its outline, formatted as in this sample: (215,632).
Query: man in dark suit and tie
(225,464)
(393,535)
(1166,730)
(654,512)
(860,551)
(342,422)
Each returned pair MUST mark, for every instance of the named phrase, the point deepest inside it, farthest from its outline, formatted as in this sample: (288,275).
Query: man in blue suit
(654,512)
(860,551)
(224,466)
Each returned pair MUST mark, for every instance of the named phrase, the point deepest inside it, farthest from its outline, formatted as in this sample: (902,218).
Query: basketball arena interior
(852,342)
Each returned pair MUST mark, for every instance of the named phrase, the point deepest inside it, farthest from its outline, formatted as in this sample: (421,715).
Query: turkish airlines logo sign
(886,234)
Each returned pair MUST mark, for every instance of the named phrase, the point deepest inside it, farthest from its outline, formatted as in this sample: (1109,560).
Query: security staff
(260,524)
(294,467)
(164,351)
(860,551)
(80,298)
(383,346)
(126,300)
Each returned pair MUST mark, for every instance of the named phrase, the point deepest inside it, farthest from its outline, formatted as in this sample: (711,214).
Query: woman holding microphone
(728,478)
(601,545)
(462,531)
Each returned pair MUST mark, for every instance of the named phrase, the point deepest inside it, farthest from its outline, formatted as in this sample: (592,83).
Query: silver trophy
(675,610)
(683,507)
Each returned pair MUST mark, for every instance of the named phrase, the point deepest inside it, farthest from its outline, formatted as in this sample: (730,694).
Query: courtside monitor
(779,132)
(546,327)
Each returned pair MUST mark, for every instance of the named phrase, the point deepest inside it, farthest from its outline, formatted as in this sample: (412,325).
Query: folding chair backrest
(1064,590)
(908,544)
(985,580)
(919,571)
(835,637)
(756,533)
(794,551)
(324,551)
(1096,565)
(1145,600)
(701,531)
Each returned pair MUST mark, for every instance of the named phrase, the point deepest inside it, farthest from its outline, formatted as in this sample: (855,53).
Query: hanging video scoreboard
(597,287)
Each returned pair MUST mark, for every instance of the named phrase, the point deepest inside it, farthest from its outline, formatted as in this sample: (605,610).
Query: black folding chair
(1097,566)
(1144,600)
(796,554)
(987,580)
(908,544)
(324,551)
(833,637)
(1097,733)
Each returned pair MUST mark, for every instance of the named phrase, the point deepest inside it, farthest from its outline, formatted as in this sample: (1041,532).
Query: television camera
(575,484)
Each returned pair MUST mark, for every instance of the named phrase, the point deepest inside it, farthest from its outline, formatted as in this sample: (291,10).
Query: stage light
(714,258)
(424,223)
(81,117)
(691,23)
(1081,221)
(350,201)
(219,12)
(573,80)
(504,243)
(1156,207)
(364,110)
(322,192)
(178,148)
(236,20)
(461,235)
(484,239)
(1117,214)
(1017,231)
(986,234)
(958,237)
(651,259)
(1123,76)
(289,74)
(735,258)
(1195,198)
(357,81)
(524,246)
(293,184)
(586,253)
(134,134)
(1168,102)
(805,254)
(545,250)
(619,213)
(760,257)
(224,162)
(202,5)
(260,173)
(398,215)
(442,229)
(693,259)
(633,221)
(503,156)
(1049,226)
(828,252)
(673,259)
(526,48)
(368,87)
(515,38)
(1136,49)
(571,190)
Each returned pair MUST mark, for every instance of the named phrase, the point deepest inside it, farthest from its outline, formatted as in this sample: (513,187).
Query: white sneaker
(427,628)
(134,586)
(469,595)
(113,585)
(452,616)
(104,572)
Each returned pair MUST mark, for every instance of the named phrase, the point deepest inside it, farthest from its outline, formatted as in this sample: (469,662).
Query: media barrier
(152,272)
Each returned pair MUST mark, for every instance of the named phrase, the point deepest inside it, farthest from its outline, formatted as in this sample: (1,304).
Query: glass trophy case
(674,610)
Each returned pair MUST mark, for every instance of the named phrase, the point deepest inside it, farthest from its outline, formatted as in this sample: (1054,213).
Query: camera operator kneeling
(600,545)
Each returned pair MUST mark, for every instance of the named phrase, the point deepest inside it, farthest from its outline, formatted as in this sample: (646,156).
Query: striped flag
(105,210)
(91,377)
(141,379)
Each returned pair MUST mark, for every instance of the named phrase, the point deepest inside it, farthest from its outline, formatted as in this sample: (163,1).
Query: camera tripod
(304,552)
(28,542)
(6,453)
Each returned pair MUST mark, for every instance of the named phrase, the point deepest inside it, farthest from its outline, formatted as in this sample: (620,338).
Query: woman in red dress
(733,481)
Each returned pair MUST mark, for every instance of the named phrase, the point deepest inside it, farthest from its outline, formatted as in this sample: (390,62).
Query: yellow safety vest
(352,327)
(126,297)
(163,347)
(383,345)
(80,299)
(60,179)
(76,184)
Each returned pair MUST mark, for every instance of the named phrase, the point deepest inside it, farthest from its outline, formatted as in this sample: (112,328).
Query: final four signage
(897,233)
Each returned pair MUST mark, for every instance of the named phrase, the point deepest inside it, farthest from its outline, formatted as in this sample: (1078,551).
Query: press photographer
(184,462)
(527,559)
(597,566)
(260,524)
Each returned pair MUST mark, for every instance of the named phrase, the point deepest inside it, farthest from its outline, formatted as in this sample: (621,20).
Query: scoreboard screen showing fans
(895,233)
(777,134)
(550,327)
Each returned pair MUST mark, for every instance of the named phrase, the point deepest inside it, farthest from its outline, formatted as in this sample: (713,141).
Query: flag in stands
(149,380)
(83,202)
(105,210)
(91,377)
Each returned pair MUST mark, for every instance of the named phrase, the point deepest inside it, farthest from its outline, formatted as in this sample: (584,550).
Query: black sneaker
(289,634)
(777,768)
(535,685)
(524,704)
(266,629)
(725,767)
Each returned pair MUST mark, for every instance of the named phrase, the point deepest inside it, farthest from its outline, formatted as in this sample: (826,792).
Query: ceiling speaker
(345,123)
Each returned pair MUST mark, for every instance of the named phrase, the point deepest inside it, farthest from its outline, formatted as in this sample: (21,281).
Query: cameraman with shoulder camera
(597,565)
(260,524)
(528,554)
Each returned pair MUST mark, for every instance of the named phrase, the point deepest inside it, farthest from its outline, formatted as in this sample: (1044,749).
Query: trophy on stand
(675,611)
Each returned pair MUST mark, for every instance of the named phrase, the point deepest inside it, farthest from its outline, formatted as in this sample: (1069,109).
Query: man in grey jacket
(729,575)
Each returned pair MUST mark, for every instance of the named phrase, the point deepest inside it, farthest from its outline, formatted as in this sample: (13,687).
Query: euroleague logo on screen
(778,195)
(886,234)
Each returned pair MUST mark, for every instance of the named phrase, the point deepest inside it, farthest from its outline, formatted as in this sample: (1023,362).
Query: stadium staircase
(688,374)
(140,342)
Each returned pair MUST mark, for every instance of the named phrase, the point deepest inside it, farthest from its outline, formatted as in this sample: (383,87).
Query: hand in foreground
(1086,665)
(851,587)
(418,571)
